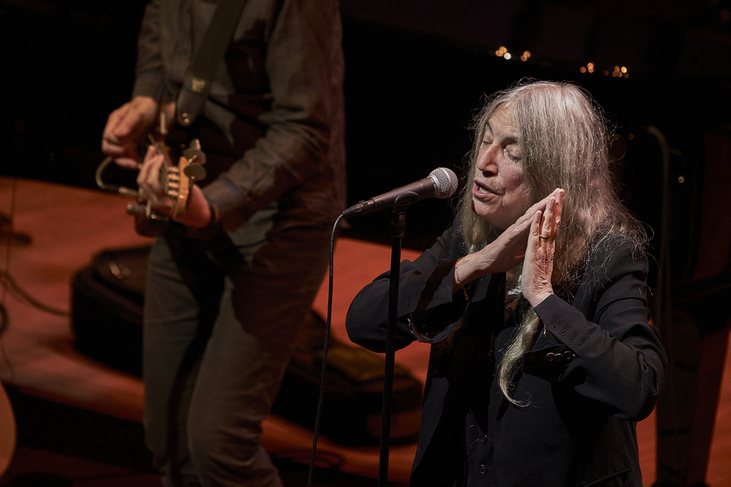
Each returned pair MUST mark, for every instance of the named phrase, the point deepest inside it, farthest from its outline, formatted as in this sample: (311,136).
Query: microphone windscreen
(446,182)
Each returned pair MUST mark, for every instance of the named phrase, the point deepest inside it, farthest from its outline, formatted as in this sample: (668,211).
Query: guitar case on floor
(106,319)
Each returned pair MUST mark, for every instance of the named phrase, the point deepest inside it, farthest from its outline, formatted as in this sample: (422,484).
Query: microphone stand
(398,226)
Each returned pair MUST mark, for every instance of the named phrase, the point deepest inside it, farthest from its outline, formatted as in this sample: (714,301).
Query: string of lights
(589,68)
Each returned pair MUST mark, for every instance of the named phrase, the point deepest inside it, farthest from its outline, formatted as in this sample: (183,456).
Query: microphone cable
(323,374)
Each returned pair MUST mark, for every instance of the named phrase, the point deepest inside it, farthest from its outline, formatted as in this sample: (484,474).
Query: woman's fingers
(558,209)
(538,264)
(546,231)
(552,216)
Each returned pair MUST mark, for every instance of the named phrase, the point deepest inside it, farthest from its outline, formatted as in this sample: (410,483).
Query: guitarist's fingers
(122,149)
(148,178)
(110,140)
(139,114)
(127,163)
(144,170)
(125,127)
(113,120)
(153,178)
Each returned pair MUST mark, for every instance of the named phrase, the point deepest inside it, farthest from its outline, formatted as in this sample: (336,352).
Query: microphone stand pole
(398,226)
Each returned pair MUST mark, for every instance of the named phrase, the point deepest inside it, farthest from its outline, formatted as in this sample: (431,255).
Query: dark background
(415,71)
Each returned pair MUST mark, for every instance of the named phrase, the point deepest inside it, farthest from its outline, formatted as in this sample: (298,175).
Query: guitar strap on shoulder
(198,77)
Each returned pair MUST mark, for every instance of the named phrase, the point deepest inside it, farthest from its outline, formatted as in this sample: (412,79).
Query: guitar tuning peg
(195,172)
(195,144)
(194,154)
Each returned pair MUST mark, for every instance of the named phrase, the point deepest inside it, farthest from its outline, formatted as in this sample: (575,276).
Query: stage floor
(67,226)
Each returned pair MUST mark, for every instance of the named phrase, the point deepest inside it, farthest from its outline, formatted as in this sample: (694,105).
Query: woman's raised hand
(538,262)
(509,249)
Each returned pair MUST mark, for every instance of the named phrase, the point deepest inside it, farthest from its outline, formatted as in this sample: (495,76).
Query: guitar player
(231,279)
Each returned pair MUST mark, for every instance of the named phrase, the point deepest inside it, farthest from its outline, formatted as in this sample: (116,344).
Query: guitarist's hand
(197,213)
(126,130)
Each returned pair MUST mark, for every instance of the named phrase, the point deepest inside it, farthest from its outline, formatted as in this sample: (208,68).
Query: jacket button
(483,469)
(550,356)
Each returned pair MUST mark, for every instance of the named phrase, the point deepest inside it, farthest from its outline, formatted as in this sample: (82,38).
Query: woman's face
(500,194)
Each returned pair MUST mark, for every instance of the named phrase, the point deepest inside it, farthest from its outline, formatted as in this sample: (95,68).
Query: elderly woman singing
(535,301)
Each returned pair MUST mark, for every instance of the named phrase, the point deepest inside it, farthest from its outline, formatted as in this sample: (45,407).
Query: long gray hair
(565,144)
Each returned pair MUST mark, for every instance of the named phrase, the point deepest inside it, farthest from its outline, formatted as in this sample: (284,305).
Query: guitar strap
(198,77)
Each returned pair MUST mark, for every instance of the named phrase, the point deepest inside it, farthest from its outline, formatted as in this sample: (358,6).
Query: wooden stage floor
(40,367)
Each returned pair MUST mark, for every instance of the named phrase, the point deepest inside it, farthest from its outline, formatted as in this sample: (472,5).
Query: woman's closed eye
(512,155)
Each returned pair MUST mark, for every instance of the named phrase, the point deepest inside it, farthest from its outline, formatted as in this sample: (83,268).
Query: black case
(106,319)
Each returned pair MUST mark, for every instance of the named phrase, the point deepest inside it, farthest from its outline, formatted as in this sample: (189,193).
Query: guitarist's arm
(127,127)
(198,213)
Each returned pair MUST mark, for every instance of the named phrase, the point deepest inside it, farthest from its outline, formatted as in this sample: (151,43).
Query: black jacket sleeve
(150,75)
(620,360)
(425,303)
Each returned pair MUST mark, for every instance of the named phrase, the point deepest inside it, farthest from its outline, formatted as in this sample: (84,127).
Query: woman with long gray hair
(543,356)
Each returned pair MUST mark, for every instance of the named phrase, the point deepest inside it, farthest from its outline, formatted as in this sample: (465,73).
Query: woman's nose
(487,160)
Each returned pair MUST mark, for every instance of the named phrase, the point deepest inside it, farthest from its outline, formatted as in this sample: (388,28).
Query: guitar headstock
(181,177)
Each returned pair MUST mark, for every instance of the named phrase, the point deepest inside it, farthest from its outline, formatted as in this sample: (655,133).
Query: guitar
(175,179)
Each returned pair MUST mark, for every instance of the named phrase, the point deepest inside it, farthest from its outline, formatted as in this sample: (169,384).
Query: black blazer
(590,376)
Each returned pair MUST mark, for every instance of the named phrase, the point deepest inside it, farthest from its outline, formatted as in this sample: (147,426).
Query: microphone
(441,183)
